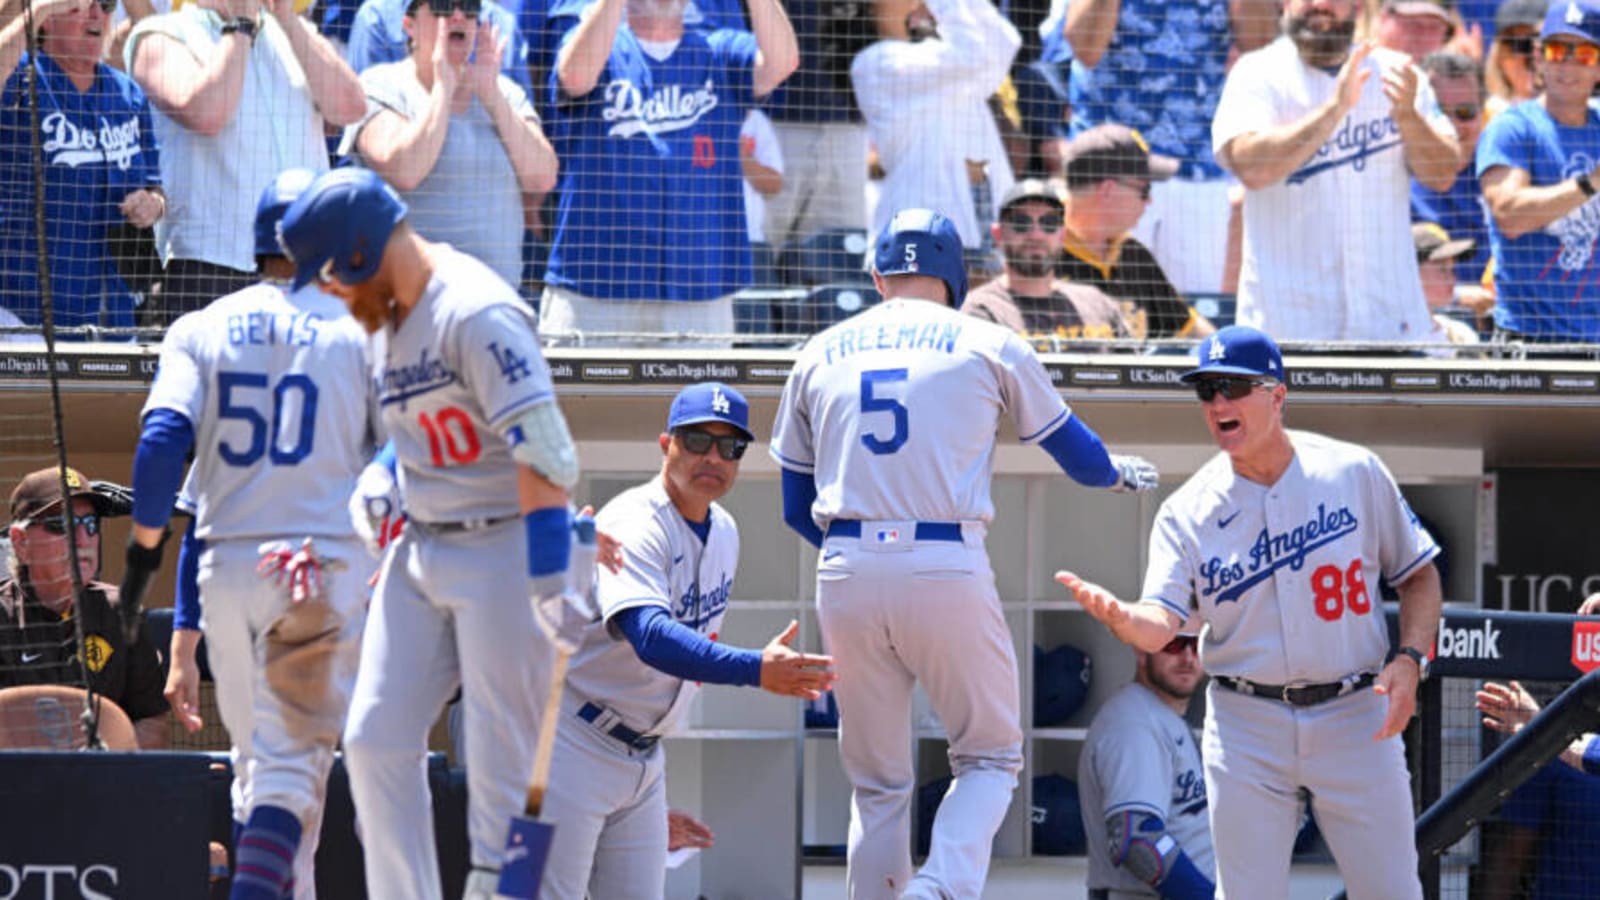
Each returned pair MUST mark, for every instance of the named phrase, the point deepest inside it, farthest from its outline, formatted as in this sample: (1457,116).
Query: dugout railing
(1478,645)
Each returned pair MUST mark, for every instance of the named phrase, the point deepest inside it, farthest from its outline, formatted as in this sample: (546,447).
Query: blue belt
(926,531)
(590,712)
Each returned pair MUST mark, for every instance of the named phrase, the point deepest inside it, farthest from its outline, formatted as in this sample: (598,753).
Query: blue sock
(263,864)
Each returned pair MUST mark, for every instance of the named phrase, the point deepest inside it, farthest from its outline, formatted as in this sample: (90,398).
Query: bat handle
(551,719)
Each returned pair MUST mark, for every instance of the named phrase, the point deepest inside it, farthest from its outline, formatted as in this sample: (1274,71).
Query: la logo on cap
(1218,351)
(1574,14)
(719,403)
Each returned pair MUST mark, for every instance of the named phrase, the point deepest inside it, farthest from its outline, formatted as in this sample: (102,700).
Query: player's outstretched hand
(1398,682)
(1506,708)
(787,672)
(1134,473)
(684,830)
(1095,600)
(183,682)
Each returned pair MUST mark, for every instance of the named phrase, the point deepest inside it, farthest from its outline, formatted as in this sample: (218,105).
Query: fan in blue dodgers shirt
(100,166)
(651,233)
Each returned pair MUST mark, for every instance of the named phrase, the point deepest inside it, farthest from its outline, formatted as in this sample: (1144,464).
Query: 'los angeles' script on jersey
(669,108)
(911,336)
(398,383)
(696,609)
(66,144)
(1228,580)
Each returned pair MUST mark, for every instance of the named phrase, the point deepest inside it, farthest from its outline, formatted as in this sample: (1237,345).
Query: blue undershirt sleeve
(1079,453)
(186,602)
(164,444)
(799,492)
(1185,882)
(386,457)
(666,645)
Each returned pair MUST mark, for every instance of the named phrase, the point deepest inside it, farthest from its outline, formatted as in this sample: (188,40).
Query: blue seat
(825,305)
(1218,308)
(830,256)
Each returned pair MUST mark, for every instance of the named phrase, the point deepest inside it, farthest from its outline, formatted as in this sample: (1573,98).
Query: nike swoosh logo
(677,559)
(1180,742)
(32,657)
(1225,522)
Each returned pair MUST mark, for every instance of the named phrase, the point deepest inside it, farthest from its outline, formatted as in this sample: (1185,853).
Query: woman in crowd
(459,140)
(100,166)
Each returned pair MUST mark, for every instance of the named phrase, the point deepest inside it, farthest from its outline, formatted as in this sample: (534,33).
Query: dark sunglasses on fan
(1022,223)
(730,447)
(443,8)
(89,522)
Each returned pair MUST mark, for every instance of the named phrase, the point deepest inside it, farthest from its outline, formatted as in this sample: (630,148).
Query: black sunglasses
(1021,223)
(1520,44)
(89,522)
(1181,643)
(1142,187)
(1231,387)
(730,447)
(443,8)
(1463,112)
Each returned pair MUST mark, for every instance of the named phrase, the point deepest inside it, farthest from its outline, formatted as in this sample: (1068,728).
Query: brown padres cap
(40,492)
(1114,151)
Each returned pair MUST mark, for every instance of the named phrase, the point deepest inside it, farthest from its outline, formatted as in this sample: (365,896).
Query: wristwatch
(242,25)
(1417,656)
(1584,184)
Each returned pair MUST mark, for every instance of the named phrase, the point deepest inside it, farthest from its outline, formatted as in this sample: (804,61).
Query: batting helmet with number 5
(923,242)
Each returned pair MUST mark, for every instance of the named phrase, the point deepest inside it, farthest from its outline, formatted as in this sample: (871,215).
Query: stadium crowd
(637,167)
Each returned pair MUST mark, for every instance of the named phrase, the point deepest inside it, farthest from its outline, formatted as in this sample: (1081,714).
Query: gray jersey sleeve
(791,445)
(180,384)
(1405,546)
(646,562)
(1169,574)
(1028,394)
(498,358)
(1133,765)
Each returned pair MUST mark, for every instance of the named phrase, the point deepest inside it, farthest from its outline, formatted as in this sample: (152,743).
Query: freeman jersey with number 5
(663,564)
(451,382)
(1286,576)
(265,377)
(916,390)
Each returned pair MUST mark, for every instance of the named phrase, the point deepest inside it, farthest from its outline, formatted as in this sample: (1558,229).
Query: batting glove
(1134,473)
(374,508)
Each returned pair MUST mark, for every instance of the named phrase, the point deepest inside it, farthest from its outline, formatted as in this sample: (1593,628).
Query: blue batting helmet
(273,203)
(339,225)
(1061,680)
(923,242)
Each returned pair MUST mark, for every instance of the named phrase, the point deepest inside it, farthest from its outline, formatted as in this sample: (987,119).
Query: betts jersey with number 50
(1286,575)
(451,381)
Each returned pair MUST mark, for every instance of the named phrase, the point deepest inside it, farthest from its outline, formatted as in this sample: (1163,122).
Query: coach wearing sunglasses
(641,663)
(1536,162)
(1276,548)
(38,634)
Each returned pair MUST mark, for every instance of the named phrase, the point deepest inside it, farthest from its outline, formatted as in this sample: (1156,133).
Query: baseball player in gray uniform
(485,463)
(1143,794)
(263,385)
(1276,545)
(641,664)
(886,437)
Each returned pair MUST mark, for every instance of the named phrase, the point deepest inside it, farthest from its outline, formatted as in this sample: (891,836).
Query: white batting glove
(1134,473)
(375,507)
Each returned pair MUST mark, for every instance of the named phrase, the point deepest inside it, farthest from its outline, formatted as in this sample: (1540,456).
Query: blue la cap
(710,401)
(1237,350)
(1578,19)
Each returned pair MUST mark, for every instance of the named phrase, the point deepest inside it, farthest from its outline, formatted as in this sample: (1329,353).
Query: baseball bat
(528,843)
